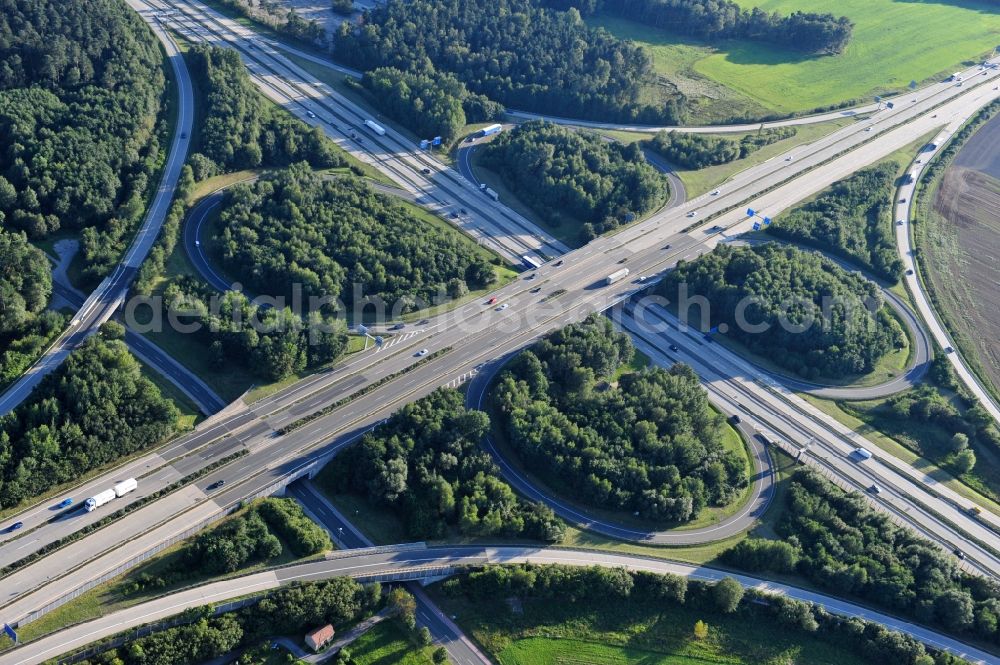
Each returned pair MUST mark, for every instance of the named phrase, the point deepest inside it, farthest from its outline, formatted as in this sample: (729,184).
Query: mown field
(631,632)
(894,42)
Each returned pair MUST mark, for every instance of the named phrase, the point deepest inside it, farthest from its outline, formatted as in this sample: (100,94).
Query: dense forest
(724,19)
(429,104)
(570,175)
(513,51)
(254,536)
(241,129)
(649,444)
(696,151)
(292,610)
(427,466)
(271,342)
(616,601)
(795,307)
(853,219)
(837,541)
(80,91)
(93,410)
(251,538)
(328,235)
(25,288)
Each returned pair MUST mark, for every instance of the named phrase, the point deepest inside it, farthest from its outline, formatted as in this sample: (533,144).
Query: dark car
(735,419)
(559,263)
(673,347)
(959,553)
(217,484)
(399,326)
(536,289)
(425,171)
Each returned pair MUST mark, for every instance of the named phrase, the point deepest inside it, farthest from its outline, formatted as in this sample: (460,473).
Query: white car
(693,213)
(503,307)
(197,243)
(422,352)
(715,193)
(311,114)
(868,129)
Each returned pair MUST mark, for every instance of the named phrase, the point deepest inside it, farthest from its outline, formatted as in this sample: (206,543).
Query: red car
(492,301)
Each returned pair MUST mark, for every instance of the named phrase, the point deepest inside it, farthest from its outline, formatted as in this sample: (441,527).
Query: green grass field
(388,644)
(894,42)
(633,632)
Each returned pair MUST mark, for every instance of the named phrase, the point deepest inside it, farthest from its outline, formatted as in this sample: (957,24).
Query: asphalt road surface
(159,360)
(486,335)
(416,563)
(460,648)
(100,305)
(904,241)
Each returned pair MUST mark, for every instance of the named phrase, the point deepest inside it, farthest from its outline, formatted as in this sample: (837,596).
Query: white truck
(375,127)
(616,276)
(108,495)
(861,454)
(490,192)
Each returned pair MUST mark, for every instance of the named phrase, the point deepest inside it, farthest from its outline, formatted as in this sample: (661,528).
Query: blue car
(15,526)
(66,503)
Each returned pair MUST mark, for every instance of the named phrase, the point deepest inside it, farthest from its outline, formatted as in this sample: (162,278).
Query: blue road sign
(767,220)
(714,329)
(10,632)
(437,140)
(878,99)
(379,341)
(363,329)
(890,105)
(424,143)
(750,212)
(756,226)
(913,85)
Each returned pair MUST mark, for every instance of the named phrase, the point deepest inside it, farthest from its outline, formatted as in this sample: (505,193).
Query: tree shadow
(973,5)
(744,52)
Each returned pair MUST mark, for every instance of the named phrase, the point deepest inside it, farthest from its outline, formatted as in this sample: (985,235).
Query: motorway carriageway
(591,251)
(497,226)
(99,306)
(415,563)
(601,246)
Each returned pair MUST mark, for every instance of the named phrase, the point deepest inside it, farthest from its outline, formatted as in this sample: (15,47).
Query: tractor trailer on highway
(375,127)
(108,495)
(616,276)
(491,130)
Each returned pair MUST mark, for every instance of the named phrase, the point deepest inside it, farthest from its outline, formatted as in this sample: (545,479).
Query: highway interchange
(101,304)
(478,339)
